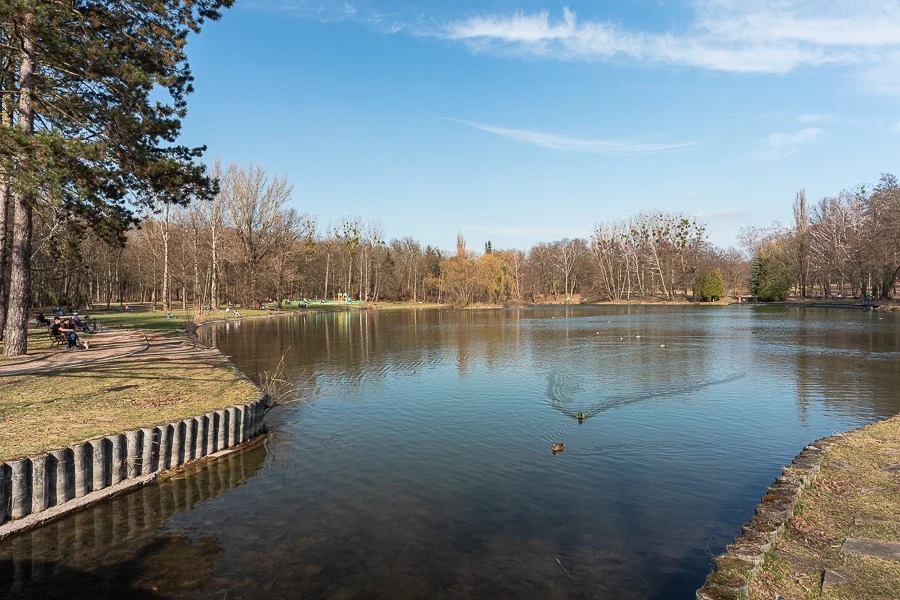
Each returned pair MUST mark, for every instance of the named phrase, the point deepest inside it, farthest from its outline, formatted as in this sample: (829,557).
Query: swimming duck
(558,447)
(580,416)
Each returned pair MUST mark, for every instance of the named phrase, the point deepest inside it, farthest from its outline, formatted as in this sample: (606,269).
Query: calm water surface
(421,466)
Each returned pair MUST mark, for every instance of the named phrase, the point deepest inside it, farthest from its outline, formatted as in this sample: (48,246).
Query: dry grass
(171,380)
(853,485)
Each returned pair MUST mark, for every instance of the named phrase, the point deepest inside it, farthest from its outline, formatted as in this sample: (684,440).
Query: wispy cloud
(738,36)
(896,127)
(570,144)
(764,36)
(780,145)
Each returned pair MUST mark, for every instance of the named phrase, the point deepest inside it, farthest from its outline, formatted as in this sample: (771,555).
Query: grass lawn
(171,380)
(854,496)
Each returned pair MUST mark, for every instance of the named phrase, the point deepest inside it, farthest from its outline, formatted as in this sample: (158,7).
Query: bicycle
(89,325)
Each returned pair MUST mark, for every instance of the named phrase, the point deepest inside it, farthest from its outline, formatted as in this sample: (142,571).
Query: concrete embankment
(40,488)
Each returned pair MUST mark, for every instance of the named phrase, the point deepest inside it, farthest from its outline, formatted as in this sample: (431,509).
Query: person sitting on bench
(65,329)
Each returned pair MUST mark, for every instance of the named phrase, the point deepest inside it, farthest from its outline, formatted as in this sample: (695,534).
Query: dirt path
(108,345)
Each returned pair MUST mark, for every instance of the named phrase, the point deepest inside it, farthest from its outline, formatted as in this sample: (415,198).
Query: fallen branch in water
(572,578)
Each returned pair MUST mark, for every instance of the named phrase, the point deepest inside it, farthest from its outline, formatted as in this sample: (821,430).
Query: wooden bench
(57,340)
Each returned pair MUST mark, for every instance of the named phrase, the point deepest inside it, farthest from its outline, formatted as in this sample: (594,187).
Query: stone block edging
(39,488)
(736,567)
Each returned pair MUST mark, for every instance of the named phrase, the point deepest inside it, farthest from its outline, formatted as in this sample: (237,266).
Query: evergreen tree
(774,275)
(85,136)
(709,286)
(755,269)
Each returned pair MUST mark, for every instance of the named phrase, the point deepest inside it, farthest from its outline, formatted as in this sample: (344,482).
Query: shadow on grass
(168,368)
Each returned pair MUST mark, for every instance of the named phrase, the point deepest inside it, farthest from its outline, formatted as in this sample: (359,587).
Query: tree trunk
(214,281)
(6,112)
(4,254)
(197,300)
(349,274)
(327,270)
(16,332)
(166,286)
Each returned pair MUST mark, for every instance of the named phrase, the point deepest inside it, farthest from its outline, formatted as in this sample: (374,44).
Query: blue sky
(525,121)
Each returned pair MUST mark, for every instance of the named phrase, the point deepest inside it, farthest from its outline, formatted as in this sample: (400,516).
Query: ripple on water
(424,468)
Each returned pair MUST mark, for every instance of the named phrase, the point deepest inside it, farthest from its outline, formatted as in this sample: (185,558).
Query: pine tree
(772,275)
(709,286)
(755,270)
(85,135)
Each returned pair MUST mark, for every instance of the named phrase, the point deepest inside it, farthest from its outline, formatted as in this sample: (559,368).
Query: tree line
(248,245)
(845,245)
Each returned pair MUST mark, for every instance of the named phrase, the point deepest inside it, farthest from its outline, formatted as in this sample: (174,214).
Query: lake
(418,463)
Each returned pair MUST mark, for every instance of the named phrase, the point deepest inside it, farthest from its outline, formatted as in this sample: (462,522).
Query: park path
(108,345)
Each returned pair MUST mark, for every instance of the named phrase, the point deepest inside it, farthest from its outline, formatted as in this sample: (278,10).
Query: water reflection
(424,469)
(127,547)
(690,415)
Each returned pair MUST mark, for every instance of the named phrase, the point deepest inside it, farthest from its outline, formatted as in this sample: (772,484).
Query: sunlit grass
(853,484)
(170,381)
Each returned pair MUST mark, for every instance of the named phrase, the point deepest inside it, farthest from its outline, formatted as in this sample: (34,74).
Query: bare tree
(253,203)
(566,255)
(801,237)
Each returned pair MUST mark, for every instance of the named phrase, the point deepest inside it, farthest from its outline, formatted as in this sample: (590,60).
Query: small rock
(831,579)
(876,548)
(894,468)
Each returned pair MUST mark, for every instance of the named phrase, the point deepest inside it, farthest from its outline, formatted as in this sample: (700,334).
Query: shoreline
(47,486)
(811,515)
(49,481)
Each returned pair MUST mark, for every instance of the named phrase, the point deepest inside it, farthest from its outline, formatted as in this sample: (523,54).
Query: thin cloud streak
(861,37)
(569,144)
(780,145)
(767,36)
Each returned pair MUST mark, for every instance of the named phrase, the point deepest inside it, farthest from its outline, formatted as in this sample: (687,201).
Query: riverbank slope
(856,496)
(829,527)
